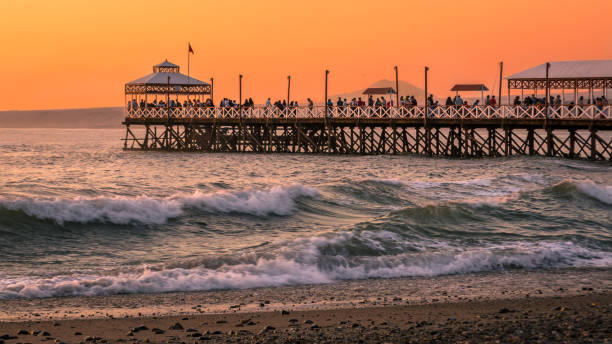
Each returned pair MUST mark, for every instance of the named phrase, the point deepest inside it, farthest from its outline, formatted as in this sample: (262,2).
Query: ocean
(81,217)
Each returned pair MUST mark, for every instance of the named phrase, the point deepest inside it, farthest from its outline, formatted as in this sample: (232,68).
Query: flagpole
(188,60)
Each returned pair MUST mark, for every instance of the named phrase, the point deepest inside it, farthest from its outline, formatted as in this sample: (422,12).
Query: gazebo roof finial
(166,66)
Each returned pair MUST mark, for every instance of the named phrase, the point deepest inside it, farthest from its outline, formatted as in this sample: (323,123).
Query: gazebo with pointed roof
(166,78)
(166,82)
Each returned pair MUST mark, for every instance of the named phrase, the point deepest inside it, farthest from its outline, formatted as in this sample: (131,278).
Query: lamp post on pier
(546,103)
(288,89)
(426,105)
(212,88)
(501,73)
(240,95)
(396,89)
(325,99)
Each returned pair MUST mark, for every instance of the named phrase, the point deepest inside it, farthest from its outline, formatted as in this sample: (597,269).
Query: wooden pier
(584,132)
(170,111)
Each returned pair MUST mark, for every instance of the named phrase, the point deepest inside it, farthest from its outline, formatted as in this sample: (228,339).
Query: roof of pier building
(469,87)
(565,74)
(164,74)
(162,71)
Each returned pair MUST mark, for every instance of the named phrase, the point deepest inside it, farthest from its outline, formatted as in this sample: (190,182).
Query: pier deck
(572,132)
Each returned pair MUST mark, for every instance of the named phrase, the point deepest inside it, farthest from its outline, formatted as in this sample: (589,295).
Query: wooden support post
(361,140)
(508,142)
(457,142)
(127,129)
(437,138)
(572,143)
(299,137)
(418,139)
(466,142)
(550,143)
(394,139)
(146,138)
(491,141)
(593,144)
(167,138)
(530,141)
(371,140)
(428,139)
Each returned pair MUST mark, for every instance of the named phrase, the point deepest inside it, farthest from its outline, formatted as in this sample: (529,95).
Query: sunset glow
(71,54)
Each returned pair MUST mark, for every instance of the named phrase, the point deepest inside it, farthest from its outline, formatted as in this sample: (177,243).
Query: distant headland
(94,118)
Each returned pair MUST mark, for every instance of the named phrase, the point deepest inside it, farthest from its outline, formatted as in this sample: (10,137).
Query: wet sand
(566,305)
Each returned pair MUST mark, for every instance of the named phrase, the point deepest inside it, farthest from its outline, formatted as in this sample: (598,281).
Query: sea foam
(316,260)
(277,200)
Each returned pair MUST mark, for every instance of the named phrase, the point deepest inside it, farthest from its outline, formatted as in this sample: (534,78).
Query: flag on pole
(189,51)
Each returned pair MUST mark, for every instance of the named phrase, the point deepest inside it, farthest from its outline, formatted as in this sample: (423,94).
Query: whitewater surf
(98,221)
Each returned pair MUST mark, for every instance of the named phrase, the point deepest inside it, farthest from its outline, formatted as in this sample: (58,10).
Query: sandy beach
(550,306)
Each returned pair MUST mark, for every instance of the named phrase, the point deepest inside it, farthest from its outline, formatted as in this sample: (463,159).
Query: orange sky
(70,54)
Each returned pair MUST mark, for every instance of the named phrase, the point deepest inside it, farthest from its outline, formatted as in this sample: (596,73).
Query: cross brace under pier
(449,138)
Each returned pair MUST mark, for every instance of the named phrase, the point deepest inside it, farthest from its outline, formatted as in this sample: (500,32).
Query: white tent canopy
(588,75)
(568,70)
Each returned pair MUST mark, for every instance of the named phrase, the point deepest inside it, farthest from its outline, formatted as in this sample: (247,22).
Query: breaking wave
(277,200)
(317,260)
(601,193)
(274,219)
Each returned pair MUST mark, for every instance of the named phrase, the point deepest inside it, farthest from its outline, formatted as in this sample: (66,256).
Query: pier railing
(593,112)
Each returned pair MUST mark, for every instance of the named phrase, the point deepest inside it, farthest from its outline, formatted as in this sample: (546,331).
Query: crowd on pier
(379,102)
(558,101)
(457,101)
(134,104)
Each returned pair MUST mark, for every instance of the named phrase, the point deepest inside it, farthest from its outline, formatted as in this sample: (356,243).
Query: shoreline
(552,305)
(341,294)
